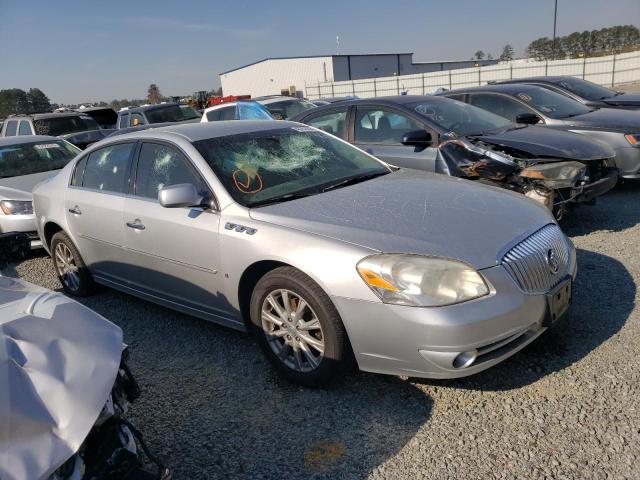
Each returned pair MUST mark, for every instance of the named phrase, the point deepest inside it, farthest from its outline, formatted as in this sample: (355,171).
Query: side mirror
(180,196)
(417,138)
(527,118)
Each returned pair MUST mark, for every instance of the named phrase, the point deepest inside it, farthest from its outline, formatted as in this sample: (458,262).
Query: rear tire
(298,327)
(70,267)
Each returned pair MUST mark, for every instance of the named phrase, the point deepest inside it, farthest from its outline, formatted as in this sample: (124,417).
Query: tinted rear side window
(25,128)
(213,115)
(106,168)
(12,128)
(228,113)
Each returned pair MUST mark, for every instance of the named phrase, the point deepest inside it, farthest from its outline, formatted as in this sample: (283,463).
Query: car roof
(202,131)
(508,88)
(24,139)
(220,105)
(145,108)
(391,101)
(547,79)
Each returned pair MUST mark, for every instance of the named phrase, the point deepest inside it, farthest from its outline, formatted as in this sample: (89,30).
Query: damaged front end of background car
(554,182)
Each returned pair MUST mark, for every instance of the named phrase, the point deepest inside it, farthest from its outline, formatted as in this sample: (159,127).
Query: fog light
(465,359)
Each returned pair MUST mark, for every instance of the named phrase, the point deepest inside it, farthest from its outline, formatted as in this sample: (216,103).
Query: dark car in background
(77,128)
(523,103)
(105,116)
(583,91)
(445,136)
(152,114)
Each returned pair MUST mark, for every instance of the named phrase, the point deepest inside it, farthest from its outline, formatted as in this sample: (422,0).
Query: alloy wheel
(293,330)
(66,266)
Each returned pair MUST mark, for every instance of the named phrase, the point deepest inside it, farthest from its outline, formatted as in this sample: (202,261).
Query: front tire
(298,327)
(70,267)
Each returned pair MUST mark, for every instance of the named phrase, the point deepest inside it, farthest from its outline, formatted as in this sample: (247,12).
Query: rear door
(93,206)
(378,130)
(174,251)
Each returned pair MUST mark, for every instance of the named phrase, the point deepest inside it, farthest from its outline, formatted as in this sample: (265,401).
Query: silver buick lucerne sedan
(322,251)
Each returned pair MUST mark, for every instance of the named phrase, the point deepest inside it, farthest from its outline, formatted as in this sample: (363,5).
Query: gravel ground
(565,407)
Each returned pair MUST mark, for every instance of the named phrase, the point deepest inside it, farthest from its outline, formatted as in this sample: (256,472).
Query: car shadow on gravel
(603,298)
(212,407)
(618,210)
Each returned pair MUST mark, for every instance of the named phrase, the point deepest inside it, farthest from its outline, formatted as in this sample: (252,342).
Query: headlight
(633,138)
(16,207)
(556,174)
(421,281)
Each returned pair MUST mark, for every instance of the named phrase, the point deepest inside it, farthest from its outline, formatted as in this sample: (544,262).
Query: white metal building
(273,76)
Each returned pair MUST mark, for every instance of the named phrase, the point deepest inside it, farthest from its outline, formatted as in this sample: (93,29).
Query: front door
(174,251)
(93,206)
(379,131)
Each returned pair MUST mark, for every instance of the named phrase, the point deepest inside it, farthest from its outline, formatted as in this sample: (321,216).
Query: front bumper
(23,225)
(424,342)
(589,192)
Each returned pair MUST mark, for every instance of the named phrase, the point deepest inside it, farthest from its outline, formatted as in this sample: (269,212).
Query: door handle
(136,224)
(75,210)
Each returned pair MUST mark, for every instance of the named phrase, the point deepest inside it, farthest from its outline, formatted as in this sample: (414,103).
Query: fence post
(613,71)
(479,76)
(375,87)
(423,83)
(584,65)
(353,88)
(398,83)
(510,71)
(450,84)
(546,67)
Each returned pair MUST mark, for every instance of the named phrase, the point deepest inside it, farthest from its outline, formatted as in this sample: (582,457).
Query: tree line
(594,43)
(16,101)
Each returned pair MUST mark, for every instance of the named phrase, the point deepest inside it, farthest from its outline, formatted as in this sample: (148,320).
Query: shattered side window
(161,166)
(258,166)
(106,168)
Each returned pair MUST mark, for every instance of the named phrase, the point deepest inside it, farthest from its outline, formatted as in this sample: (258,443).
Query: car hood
(545,142)
(624,100)
(624,121)
(416,212)
(20,188)
(84,139)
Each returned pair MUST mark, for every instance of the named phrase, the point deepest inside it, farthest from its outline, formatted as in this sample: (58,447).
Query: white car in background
(278,107)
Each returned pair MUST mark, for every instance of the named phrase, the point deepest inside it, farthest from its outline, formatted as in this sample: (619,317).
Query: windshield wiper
(353,180)
(280,199)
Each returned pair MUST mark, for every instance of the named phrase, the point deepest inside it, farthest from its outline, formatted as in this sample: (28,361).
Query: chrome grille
(531,261)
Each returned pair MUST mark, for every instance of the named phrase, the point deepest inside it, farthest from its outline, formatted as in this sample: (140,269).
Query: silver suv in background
(77,128)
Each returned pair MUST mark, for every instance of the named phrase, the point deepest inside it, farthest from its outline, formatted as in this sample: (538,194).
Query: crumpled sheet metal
(58,362)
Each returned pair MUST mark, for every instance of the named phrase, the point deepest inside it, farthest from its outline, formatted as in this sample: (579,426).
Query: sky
(90,50)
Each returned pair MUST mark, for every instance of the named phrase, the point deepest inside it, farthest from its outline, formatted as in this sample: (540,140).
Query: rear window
(106,168)
(12,128)
(66,125)
(30,158)
(169,113)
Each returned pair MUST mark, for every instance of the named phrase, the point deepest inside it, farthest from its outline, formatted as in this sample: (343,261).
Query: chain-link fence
(608,71)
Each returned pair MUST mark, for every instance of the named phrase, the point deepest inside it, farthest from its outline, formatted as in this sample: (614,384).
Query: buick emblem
(552,261)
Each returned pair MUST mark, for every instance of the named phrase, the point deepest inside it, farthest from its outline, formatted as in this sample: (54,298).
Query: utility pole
(555,23)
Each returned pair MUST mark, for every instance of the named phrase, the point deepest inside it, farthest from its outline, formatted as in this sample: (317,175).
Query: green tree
(13,101)
(479,55)
(540,49)
(38,101)
(507,53)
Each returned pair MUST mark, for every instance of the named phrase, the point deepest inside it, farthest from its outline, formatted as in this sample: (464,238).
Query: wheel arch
(50,229)
(249,279)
